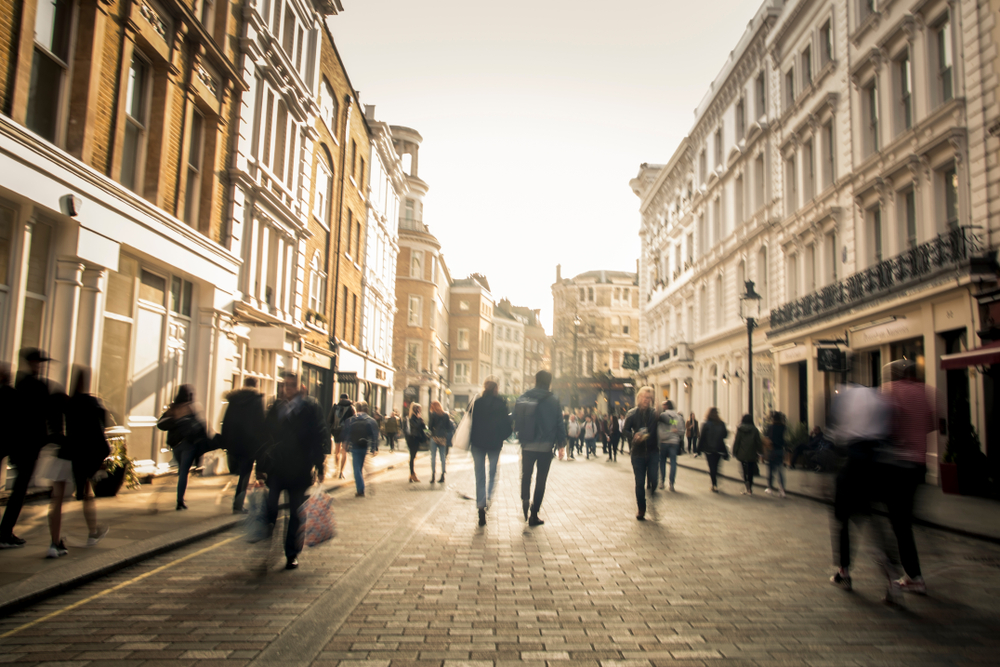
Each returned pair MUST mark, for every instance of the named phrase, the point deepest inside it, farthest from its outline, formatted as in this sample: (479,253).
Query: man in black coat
(243,434)
(32,405)
(296,434)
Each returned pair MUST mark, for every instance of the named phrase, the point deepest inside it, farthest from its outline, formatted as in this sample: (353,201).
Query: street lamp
(576,364)
(750,311)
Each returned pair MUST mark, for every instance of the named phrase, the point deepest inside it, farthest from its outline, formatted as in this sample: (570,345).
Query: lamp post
(750,311)
(576,364)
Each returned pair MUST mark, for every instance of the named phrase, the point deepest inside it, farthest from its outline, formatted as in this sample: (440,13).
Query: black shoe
(533,520)
(482,516)
(11,542)
(441,481)
(641,516)
(525,506)
(292,564)
(181,506)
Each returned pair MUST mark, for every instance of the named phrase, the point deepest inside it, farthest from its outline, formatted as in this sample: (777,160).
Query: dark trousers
(748,473)
(613,449)
(693,443)
(528,460)
(25,469)
(185,459)
(713,467)
(244,469)
(901,486)
(296,496)
(414,448)
(852,498)
(644,468)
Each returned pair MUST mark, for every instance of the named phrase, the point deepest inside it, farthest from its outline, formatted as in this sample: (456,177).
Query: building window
(462,371)
(949,179)
(866,9)
(758,182)
(702,236)
(49,67)
(828,154)
(412,355)
(741,119)
(463,305)
(904,93)
(909,221)
(762,277)
(414,316)
(831,258)
(703,166)
(874,219)
(703,323)
(324,190)
(317,286)
(416,264)
(869,112)
(136,119)
(826,43)
(760,95)
(719,322)
(942,43)
(625,326)
(689,244)
(717,220)
(196,150)
(328,107)
(789,88)
(718,148)
(590,294)
(793,277)
(807,67)
(808,171)
(463,339)
(810,268)
(791,187)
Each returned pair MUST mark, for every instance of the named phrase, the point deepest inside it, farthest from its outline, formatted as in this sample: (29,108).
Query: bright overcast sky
(535,114)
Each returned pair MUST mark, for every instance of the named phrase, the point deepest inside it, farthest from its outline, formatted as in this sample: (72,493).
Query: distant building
(536,347)
(595,323)
(471,338)
(508,351)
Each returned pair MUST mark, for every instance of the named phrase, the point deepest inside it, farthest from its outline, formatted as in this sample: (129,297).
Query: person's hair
(249,382)
(491,385)
(692,416)
(185,394)
(343,396)
(289,376)
(747,419)
(670,404)
(777,418)
(543,379)
(644,390)
(436,407)
(712,415)
(361,406)
(414,409)
(81,380)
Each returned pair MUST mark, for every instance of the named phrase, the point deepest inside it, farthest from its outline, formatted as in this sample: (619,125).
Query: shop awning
(981,356)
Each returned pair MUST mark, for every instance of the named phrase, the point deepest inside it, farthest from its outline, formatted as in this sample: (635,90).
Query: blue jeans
(776,464)
(185,459)
(358,460)
(484,494)
(591,446)
(437,449)
(644,467)
(668,451)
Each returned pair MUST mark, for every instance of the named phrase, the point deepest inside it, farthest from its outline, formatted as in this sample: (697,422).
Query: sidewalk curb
(916,520)
(17,596)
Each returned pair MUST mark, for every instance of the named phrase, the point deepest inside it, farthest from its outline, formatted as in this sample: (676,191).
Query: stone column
(65,304)
(90,324)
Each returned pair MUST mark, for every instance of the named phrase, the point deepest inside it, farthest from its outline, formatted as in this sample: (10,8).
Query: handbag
(317,519)
(255,525)
(463,433)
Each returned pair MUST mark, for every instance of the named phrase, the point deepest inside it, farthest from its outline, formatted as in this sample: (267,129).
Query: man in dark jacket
(640,432)
(243,433)
(297,434)
(540,428)
(490,427)
(32,404)
(341,412)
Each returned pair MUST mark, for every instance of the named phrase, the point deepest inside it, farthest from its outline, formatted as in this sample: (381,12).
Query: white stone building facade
(508,351)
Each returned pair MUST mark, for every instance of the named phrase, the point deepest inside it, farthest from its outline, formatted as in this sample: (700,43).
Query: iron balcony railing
(946,250)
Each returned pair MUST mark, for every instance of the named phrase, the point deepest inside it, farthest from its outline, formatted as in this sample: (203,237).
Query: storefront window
(912,350)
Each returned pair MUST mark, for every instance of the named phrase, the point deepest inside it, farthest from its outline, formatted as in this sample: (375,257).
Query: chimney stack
(558,273)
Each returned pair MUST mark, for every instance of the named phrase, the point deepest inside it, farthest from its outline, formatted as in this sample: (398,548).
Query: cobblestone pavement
(412,581)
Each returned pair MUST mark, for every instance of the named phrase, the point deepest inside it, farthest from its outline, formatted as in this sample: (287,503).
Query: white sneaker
(56,550)
(92,540)
(894,594)
(767,490)
(915,585)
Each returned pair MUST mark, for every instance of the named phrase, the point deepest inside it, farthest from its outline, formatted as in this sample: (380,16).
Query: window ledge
(316,327)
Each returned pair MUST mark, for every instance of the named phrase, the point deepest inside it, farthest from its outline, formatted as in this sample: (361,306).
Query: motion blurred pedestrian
(903,465)
(392,430)
(340,413)
(670,435)
(573,433)
(614,437)
(692,434)
(30,431)
(491,425)
(590,436)
(748,447)
(81,454)
(360,430)
(540,430)
(712,443)
(440,427)
(243,434)
(186,435)
(775,448)
(640,431)
(416,435)
(296,438)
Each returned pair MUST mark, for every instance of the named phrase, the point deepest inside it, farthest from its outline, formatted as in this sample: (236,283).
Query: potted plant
(119,468)
(321,320)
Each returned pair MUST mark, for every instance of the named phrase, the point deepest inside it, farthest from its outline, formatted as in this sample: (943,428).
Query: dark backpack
(338,421)
(360,434)
(525,420)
